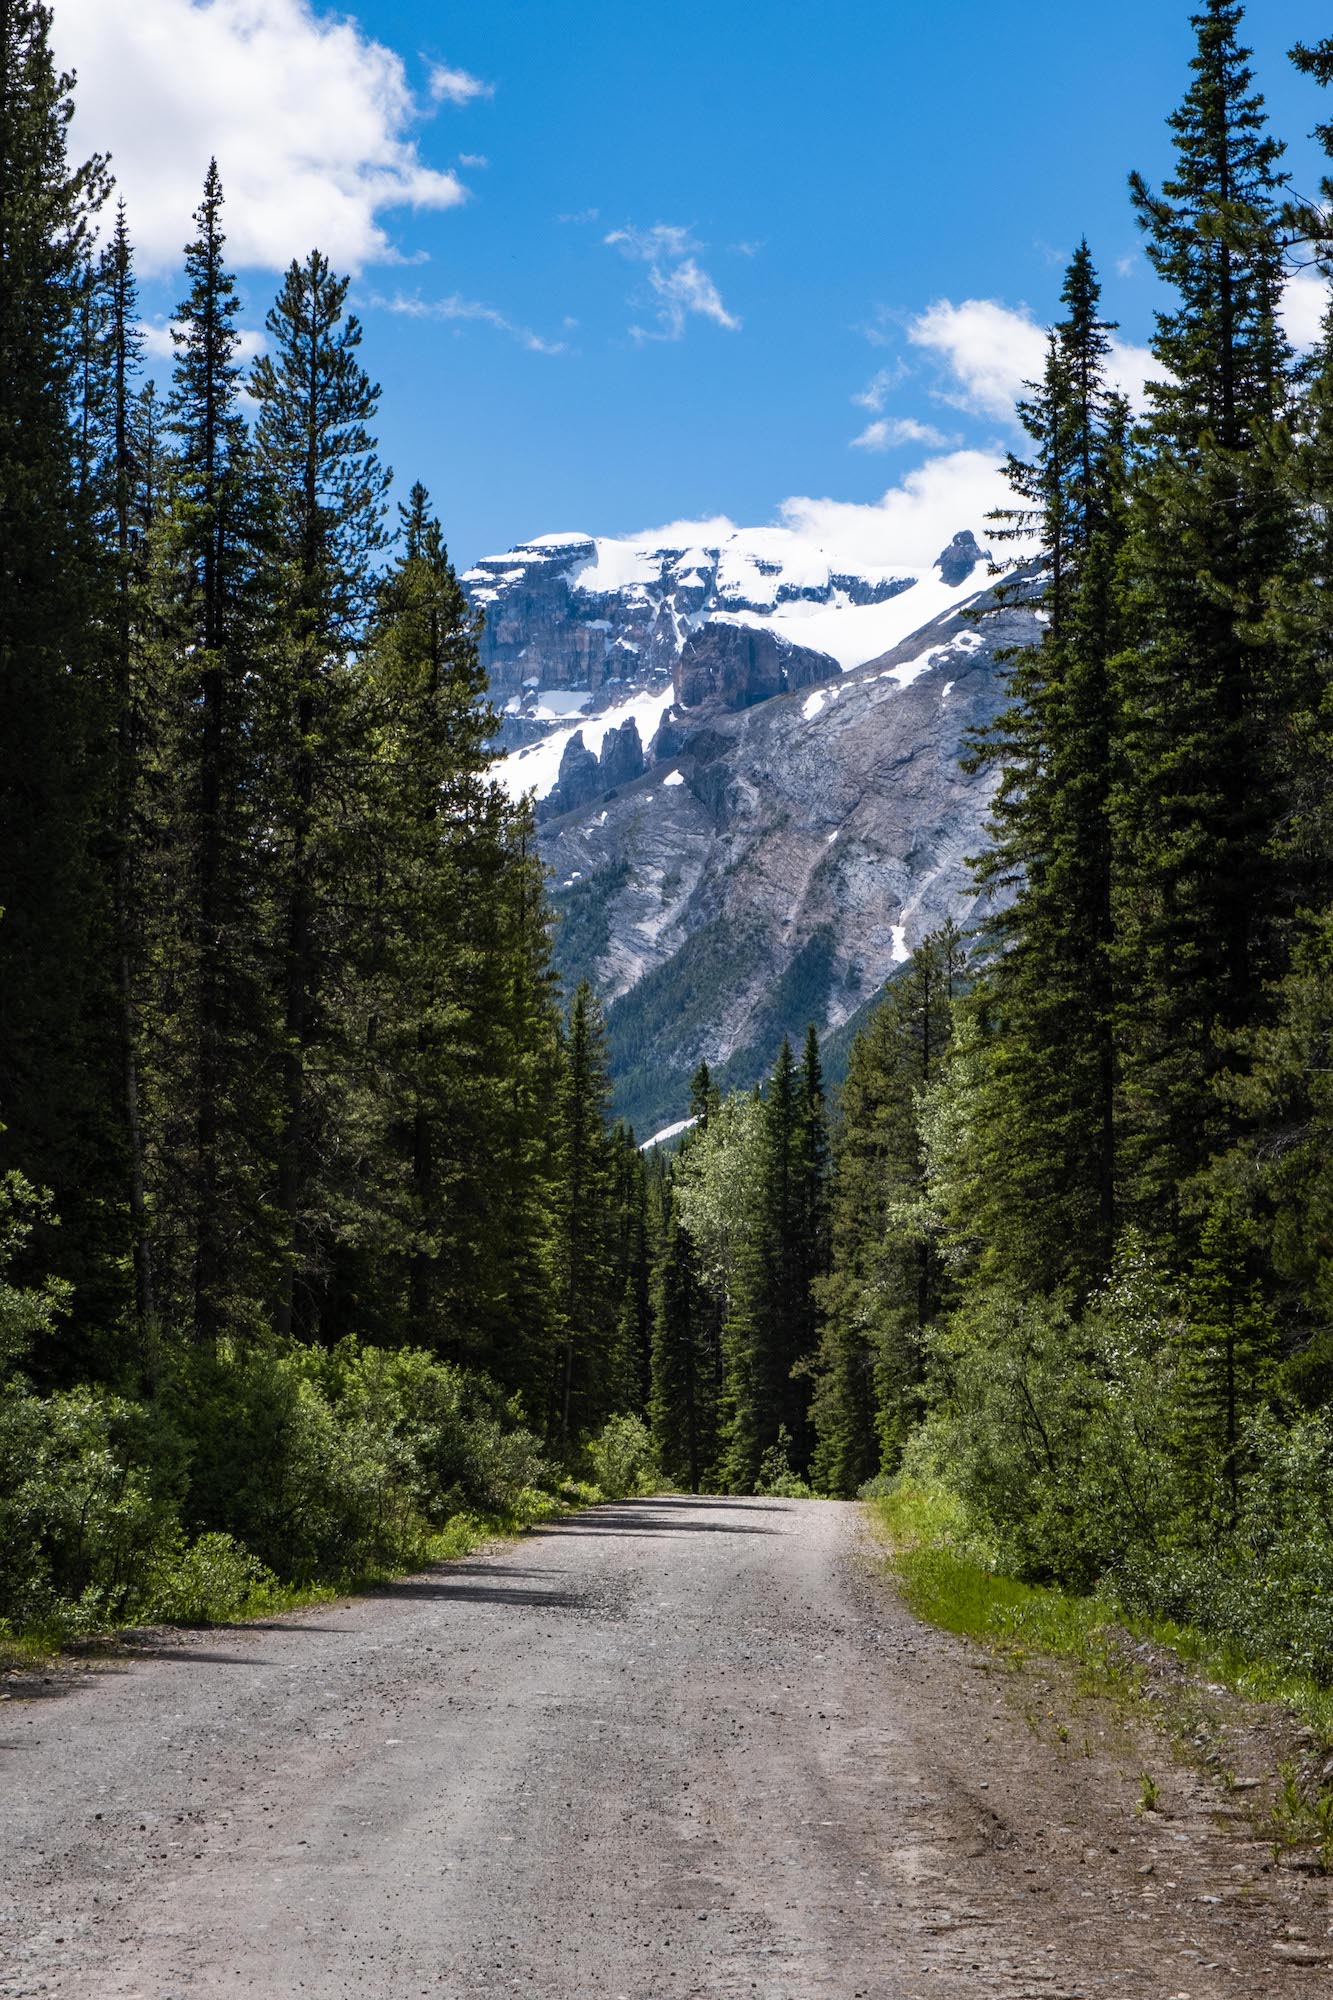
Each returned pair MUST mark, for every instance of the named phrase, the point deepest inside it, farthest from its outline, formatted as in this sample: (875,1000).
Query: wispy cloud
(457,86)
(888,433)
(457,308)
(878,389)
(473,160)
(679,286)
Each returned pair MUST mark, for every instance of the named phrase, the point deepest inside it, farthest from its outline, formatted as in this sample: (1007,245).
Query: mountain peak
(956,563)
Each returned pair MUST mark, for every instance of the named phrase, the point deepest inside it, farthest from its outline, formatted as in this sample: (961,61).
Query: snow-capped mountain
(744,748)
(585,635)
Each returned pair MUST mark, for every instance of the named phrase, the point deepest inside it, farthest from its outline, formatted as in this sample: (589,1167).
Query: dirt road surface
(669,1748)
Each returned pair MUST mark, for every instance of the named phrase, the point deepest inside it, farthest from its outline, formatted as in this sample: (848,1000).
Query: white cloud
(158,342)
(1304,304)
(457,308)
(311,122)
(680,286)
(887,433)
(914,520)
(990,350)
(456,86)
(473,160)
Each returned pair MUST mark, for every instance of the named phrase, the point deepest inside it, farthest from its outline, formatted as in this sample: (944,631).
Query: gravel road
(666,1748)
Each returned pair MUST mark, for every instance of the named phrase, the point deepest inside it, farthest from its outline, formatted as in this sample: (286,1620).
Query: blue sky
(659,253)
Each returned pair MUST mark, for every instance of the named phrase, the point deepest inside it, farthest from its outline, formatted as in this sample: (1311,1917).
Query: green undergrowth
(235,1593)
(948,1577)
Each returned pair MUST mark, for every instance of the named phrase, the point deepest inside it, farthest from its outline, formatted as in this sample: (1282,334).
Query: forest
(318,1241)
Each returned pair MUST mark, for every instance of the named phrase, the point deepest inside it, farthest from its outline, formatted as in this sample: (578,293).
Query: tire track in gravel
(665,1748)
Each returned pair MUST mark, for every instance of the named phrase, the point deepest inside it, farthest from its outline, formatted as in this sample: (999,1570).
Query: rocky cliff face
(736,618)
(761,839)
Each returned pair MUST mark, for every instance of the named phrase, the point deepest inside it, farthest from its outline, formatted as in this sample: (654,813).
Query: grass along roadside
(1261,1735)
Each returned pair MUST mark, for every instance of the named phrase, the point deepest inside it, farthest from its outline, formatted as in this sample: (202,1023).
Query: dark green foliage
(772,1325)
(196,651)
(316,451)
(57,1050)
(587,1296)
(583,923)
(888,1285)
(1200,792)
(683,1405)
(1050,1184)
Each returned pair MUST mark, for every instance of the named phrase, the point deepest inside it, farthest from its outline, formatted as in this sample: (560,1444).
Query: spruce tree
(316,403)
(57,1076)
(682,1406)
(128,483)
(420,863)
(888,1283)
(1051,1179)
(586,1294)
(1202,911)
(771,1326)
(214,1048)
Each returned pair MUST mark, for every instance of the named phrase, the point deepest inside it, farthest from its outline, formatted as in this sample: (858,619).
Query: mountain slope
(745,833)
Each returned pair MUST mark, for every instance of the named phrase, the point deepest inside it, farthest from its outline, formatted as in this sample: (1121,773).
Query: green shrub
(776,1478)
(205,1582)
(83,1524)
(623,1460)
(1062,1437)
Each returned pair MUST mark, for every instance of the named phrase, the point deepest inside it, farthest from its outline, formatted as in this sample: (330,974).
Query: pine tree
(682,1412)
(57,1079)
(772,1320)
(1201,909)
(888,1284)
(421,861)
(632,1204)
(586,1296)
(128,474)
(215,1034)
(315,405)
(813,1242)
(1051,1104)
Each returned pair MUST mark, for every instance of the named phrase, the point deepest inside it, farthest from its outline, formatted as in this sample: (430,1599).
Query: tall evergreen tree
(633,1202)
(888,1283)
(1052,1181)
(424,858)
(768,1339)
(56,1074)
(315,405)
(129,472)
(682,1409)
(586,1296)
(215,1043)
(1201,909)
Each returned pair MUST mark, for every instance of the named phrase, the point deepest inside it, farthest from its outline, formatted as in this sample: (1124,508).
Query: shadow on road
(611,1521)
(443,1590)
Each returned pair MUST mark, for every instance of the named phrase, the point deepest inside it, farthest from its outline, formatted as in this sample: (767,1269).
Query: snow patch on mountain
(537,768)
